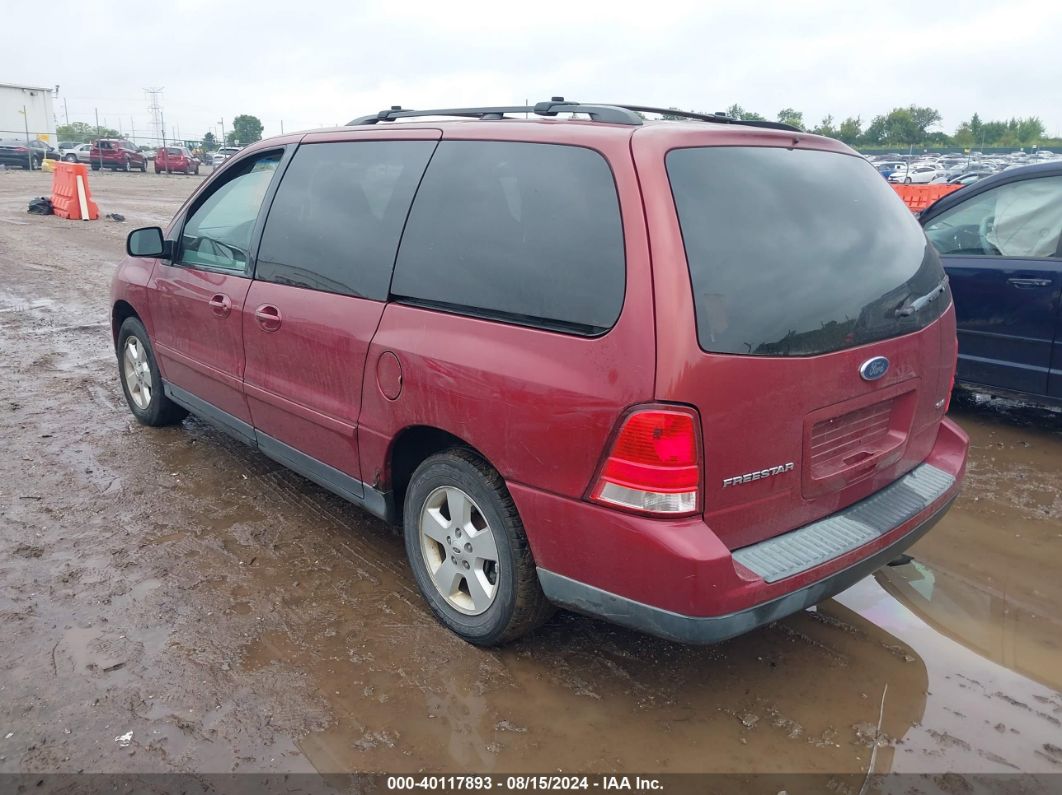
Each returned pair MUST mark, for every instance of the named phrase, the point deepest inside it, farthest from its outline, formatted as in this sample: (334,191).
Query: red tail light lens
(654,464)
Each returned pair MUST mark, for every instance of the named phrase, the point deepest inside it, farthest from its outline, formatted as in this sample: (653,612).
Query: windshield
(798,252)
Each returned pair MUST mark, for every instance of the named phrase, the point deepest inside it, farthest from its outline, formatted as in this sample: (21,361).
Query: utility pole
(66,112)
(29,151)
(222,123)
(98,137)
(281,126)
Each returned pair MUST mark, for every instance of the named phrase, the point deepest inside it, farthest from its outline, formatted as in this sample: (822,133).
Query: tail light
(21,149)
(653,464)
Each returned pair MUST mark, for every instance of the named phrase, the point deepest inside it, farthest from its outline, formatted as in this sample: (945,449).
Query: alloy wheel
(136,371)
(459,550)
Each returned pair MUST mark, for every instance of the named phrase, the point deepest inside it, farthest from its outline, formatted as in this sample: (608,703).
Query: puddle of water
(989,622)
(980,716)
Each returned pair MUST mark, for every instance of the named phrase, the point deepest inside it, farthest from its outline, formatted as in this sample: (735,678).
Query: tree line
(912,126)
(246,129)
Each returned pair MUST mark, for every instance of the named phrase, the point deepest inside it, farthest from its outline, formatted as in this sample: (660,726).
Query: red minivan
(688,376)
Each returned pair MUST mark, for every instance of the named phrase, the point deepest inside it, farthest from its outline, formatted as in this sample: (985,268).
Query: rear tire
(511,605)
(143,167)
(127,166)
(141,380)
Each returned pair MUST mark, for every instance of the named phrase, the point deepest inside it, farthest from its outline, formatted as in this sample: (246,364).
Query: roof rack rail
(717,118)
(609,114)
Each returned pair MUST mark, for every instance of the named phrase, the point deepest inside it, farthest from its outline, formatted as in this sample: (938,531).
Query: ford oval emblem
(873,369)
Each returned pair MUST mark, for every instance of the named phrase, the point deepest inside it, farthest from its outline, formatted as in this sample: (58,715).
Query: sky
(321,63)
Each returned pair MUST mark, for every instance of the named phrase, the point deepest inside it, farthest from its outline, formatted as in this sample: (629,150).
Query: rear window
(518,232)
(798,252)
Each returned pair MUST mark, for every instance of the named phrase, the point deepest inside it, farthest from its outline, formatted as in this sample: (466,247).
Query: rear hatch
(170,156)
(817,354)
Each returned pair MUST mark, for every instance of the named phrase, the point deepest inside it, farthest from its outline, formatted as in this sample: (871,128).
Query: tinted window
(338,214)
(797,252)
(528,233)
(218,233)
(1022,219)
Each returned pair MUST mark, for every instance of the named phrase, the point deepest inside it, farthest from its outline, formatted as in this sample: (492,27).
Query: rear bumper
(676,579)
(584,598)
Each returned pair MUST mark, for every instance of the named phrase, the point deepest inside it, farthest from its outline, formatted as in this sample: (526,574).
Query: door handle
(220,305)
(1029,284)
(268,317)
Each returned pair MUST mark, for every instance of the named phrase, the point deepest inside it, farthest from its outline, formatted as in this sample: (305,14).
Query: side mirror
(147,242)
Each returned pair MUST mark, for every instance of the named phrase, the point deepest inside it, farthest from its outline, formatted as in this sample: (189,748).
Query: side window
(1021,219)
(338,214)
(218,232)
(519,232)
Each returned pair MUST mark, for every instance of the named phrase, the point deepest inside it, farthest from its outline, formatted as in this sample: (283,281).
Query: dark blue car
(1000,240)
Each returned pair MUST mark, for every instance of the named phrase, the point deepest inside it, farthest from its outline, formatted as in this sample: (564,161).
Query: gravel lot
(234,617)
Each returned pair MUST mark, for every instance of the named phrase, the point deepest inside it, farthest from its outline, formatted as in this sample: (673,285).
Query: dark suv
(689,376)
(116,154)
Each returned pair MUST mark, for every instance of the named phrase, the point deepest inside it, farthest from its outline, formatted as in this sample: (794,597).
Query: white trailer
(27,107)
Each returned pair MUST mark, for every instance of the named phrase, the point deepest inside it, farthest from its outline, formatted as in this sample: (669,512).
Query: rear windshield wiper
(923,300)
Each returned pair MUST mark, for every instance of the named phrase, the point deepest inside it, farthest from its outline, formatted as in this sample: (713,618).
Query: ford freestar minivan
(688,376)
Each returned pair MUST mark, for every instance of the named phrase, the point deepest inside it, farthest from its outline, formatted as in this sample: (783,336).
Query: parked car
(600,372)
(222,154)
(26,154)
(77,153)
(969,177)
(889,167)
(175,158)
(117,154)
(999,240)
(916,174)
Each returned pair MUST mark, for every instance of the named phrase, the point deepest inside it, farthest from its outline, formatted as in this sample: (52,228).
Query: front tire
(141,380)
(468,550)
(70,158)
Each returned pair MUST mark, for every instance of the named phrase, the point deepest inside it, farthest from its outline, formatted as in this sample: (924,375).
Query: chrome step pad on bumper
(816,543)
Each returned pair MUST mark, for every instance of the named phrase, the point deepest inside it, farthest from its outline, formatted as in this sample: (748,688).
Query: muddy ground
(173,601)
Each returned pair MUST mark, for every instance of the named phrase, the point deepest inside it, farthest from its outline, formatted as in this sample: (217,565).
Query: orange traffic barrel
(71,197)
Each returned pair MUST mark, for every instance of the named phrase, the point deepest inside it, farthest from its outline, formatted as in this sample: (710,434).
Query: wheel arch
(120,312)
(412,446)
